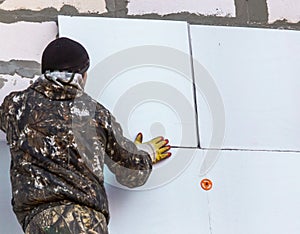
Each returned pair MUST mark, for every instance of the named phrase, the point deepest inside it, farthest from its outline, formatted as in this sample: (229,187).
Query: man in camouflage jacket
(59,140)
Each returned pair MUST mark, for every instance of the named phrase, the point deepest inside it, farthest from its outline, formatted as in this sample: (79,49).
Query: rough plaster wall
(21,46)
(205,7)
(288,10)
(25,40)
(249,13)
(87,6)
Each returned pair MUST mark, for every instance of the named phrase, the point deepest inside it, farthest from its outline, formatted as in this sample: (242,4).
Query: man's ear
(84,77)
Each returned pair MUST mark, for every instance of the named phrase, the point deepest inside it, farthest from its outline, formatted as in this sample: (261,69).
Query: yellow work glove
(157,148)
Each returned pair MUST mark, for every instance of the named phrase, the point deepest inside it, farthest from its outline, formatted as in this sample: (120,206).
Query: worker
(59,139)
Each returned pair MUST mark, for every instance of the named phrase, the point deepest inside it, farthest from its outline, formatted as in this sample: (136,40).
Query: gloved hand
(157,148)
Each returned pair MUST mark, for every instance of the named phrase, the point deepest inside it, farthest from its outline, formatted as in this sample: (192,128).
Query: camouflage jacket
(59,140)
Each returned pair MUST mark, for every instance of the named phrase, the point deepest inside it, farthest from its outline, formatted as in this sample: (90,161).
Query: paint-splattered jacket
(59,140)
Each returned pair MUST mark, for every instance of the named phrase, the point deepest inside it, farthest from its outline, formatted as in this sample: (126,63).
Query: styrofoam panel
(163,172)
(205,7)
(283,10)
(255,192)
(255,73)
(88,6)
(8,220)
(24,40)
(141,71)
(179,206)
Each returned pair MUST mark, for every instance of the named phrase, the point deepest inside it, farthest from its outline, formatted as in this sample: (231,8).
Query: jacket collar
(59,85)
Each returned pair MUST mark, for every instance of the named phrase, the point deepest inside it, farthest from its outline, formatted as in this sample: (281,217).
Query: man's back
(59,139)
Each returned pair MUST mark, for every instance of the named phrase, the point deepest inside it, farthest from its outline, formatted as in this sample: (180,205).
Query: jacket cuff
(149,148)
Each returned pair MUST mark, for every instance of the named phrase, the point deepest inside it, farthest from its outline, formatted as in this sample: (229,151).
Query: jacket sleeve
(4,113)
(130,166)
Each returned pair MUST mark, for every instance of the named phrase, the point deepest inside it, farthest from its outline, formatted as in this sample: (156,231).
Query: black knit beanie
(64,54)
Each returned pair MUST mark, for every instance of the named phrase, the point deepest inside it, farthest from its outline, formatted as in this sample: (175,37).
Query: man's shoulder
(16,96)
(99,106)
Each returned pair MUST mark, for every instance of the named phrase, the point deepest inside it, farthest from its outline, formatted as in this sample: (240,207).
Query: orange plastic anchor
(206,184)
